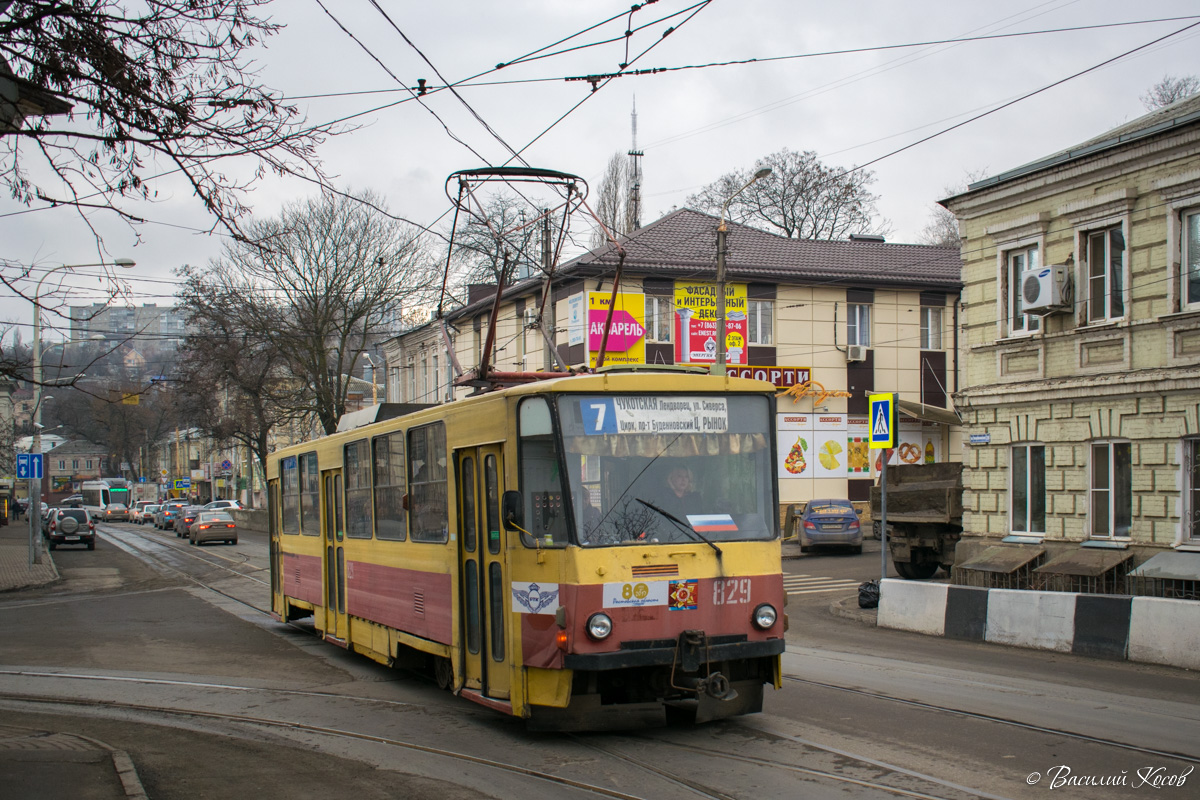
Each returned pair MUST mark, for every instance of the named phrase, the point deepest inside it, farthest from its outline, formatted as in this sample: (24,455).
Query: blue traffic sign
(883,421)
(29,466)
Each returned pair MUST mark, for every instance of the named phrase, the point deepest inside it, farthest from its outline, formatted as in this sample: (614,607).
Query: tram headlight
(599,626)
(765,616)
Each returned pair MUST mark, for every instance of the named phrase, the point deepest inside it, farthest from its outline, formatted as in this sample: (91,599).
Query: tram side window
(541,481)
(310,495)
(429,517)
(390,520)
(289,489)
(358,490)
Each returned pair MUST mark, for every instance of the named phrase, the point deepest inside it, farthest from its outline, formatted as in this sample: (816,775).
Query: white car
(217,505)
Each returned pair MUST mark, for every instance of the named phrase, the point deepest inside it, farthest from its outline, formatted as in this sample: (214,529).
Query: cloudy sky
(697,119)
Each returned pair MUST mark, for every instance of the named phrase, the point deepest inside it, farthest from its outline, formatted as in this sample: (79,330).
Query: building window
(394,385)
(1018,262)
(412,380)
(931,328)
(858,324)
(660,318)
(75,463)
(1191,256)
(1111,492)
(1105,272)
(62,465)
(424,379)
(1027,473)
(437,375)
(762,322)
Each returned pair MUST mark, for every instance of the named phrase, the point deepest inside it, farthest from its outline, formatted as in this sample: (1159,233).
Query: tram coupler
(692,650)
(715,685)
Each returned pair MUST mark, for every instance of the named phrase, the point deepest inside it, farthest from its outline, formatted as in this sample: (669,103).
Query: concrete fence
(250,519)
(1151,630)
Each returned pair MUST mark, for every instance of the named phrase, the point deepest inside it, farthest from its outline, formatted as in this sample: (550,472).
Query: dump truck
(924,516)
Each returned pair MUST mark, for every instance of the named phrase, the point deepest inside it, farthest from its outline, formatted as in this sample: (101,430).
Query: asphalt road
(157,648)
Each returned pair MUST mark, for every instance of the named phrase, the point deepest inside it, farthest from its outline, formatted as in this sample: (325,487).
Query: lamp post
(719,367)
(35,485)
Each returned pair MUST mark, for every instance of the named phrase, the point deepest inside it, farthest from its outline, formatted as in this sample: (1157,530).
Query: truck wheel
(915,572)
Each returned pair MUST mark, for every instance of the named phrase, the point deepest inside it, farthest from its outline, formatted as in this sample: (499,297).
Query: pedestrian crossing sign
(883,420)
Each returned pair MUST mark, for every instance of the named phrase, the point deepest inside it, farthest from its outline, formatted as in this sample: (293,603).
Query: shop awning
(1002,559)
(926,413)
(1084,563)
(1175,566)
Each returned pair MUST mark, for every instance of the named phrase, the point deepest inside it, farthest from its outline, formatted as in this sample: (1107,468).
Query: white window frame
(660,318)
(1087,244)
(412,379)
(393,390)
(1018,259)
(758,330)
(932,325)
(858,324)
(1108,493)
(1190,512)
(1189,253)
(1025,526)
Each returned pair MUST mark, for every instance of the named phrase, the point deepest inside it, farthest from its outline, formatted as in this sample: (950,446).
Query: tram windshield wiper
(684,526)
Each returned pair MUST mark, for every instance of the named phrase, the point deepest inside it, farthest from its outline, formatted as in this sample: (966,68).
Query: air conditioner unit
(856,352)
(1045,288)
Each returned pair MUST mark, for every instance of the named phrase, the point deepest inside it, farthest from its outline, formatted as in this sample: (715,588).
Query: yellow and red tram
(583,552)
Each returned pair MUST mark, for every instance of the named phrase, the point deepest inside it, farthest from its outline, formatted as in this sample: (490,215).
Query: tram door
(483,578)
(335,558)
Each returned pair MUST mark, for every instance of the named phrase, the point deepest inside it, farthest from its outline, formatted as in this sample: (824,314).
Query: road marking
(814,584)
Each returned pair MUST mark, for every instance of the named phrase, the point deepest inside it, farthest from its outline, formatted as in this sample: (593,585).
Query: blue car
(832,523)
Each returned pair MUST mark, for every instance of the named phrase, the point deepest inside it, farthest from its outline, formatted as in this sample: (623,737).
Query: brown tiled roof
(684,244)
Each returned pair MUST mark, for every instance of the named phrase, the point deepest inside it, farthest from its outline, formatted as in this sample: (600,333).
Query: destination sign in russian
(624,414)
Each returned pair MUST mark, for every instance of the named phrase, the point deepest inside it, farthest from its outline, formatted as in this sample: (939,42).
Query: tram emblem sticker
(635,594)
(682,595)
(533,598)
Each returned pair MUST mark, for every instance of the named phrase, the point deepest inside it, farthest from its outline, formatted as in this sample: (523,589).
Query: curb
(847,608)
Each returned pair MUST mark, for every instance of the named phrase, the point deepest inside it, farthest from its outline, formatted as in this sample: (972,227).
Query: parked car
(166,515)
(830,522)
(213,526)
(146,514)
(116,512)
(71,526)
(184,519)
(215,504)
(46,514)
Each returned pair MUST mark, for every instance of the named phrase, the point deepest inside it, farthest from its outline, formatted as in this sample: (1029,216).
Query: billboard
(696,323)
(626,333)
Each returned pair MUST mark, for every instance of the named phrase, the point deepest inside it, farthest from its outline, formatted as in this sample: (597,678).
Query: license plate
(71,538)
(831,527)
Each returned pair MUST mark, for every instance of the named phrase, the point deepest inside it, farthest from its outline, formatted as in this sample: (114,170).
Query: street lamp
(35,494)
(719,367)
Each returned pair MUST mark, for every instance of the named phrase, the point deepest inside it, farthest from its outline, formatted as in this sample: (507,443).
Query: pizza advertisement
(794,438)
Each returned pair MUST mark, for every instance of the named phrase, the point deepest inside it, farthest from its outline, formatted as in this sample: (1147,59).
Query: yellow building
(1081,356)
(827,322)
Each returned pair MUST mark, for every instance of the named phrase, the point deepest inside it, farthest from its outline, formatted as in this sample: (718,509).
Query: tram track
(245,719)
(145,551)
(610,750)
(998,720)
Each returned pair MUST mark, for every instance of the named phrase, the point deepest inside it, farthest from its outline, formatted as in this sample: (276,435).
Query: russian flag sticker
(711,523)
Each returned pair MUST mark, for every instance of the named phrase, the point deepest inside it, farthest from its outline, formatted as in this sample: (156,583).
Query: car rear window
(74,513)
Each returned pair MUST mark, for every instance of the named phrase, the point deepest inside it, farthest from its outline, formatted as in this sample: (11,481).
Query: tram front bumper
(663,652)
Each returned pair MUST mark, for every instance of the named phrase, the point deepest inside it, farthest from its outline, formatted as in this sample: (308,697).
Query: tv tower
(633,215)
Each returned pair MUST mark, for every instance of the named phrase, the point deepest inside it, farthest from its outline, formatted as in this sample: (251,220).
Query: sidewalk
(15,570)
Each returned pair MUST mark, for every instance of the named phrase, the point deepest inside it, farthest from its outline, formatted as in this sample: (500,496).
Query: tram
(585,552)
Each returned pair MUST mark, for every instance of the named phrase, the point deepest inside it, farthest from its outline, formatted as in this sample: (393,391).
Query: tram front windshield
(650,469)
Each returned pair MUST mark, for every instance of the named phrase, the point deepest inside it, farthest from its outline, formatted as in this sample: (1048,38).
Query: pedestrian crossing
(815,584)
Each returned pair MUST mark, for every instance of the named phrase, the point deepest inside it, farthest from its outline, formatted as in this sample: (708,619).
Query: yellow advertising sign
(696,323)
(627,332)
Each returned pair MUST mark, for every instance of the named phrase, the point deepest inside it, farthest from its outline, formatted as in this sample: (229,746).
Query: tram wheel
(443,673)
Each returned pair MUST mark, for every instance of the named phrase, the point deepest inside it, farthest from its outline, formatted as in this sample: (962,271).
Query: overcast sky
(693,124)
